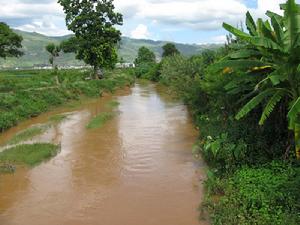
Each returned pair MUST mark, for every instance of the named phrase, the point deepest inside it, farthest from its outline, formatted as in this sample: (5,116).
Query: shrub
(260,195)
(154,73)
(143,68)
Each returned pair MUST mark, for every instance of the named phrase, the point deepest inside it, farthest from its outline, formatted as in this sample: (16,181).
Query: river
(136,170)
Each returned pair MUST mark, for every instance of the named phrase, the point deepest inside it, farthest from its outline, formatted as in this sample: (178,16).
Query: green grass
(113,104)
(57,118)
(27,134)
(29,154)
(100,120)
(261,195)
(22,97)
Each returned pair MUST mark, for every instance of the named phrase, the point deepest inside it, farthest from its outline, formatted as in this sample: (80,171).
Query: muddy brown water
(135,170)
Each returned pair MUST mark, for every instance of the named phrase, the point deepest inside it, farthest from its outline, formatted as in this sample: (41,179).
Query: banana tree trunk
(297,139)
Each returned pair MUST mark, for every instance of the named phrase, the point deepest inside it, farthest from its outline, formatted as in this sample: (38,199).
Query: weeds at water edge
(100,120)
(112,104)
(27,134)
(28,154)
(57,118)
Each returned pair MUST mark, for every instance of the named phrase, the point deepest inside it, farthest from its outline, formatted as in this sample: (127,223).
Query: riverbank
(27,94)
(253,175)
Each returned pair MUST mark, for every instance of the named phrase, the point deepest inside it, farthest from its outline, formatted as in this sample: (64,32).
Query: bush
(260,195)
(154,73)
(143,68)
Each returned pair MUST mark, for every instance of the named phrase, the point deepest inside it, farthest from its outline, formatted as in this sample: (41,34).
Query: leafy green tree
(169,49)
(145,55)
(96,38)
(273,54)
(10,42)
(70,45)
(54,51)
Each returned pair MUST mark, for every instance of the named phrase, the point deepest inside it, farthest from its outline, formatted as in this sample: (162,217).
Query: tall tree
(96,38)
(169,49)
(145,55)
(53,50)
(272,51)
(10,42)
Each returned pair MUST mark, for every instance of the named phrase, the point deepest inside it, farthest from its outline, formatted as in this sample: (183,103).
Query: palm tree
(272,50)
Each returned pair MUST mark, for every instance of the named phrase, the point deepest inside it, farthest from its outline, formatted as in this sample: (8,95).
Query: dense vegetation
(243,98)
(169,49)
(10,42)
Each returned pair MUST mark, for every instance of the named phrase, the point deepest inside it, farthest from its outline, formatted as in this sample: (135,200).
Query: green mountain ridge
(35,53)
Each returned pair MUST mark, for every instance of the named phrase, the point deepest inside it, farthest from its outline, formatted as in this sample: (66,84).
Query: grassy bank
(99,120)
(26,94)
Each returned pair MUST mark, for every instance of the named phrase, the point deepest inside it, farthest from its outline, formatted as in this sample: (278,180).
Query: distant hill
(35,53)
(129,48)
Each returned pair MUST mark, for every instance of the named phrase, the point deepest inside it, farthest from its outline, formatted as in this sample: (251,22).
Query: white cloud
(219,39)
(263,6)
(28,9)
(140,32)
(195,14)
(47,25)
(273,5)
(46,16)
(43,16)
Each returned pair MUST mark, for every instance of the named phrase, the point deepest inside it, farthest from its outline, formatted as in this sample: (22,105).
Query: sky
(186,21)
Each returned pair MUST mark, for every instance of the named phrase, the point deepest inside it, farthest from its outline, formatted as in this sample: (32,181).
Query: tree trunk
(55,68)
(98,74)
(57,80)
(297,139)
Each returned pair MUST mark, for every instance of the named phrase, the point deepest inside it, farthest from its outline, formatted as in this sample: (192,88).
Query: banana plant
(273,52)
